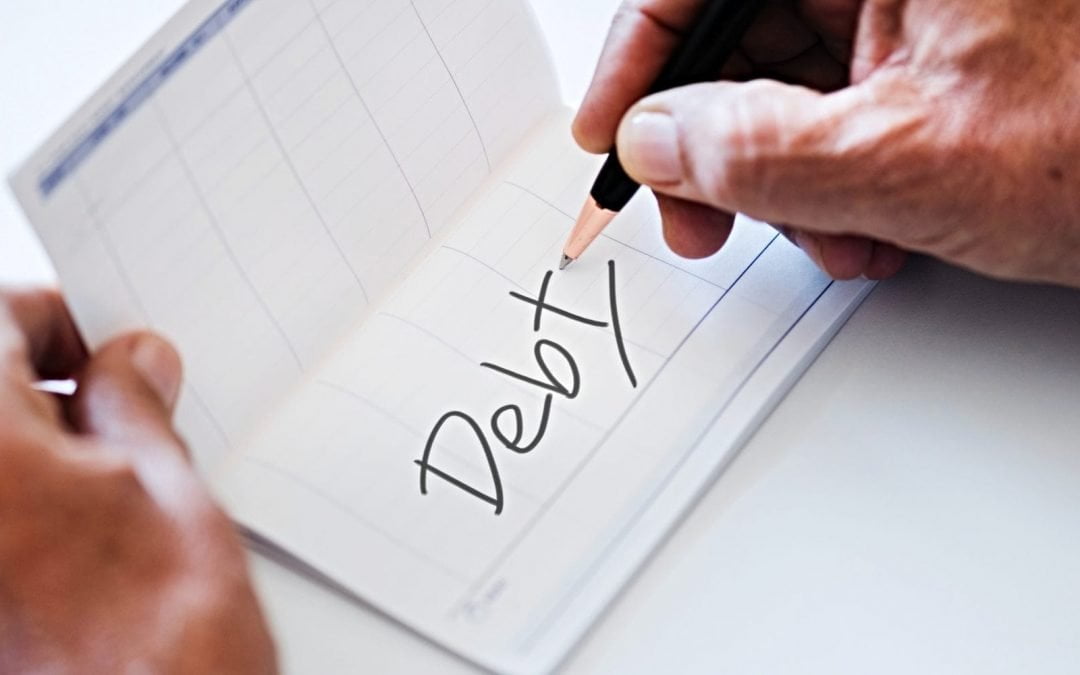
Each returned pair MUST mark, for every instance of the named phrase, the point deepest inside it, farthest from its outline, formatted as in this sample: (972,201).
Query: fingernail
(159,366)
(649,148)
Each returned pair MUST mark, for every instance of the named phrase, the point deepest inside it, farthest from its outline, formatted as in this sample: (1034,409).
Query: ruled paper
(264,170)
(347,214)
(496,579)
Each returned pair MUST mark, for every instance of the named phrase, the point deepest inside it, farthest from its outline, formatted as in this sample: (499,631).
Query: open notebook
(347,214)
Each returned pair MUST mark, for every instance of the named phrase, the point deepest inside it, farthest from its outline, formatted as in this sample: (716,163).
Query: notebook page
(472,457)
(262,172)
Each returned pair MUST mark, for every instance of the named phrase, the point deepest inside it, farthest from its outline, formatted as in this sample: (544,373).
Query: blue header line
(139,95)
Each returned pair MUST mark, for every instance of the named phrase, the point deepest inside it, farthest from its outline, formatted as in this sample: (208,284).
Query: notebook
(348,215)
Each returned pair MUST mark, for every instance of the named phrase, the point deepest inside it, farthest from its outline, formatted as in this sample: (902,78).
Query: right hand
(948,127)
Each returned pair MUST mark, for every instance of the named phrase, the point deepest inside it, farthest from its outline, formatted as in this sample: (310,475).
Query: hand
(948,127)
(113,558)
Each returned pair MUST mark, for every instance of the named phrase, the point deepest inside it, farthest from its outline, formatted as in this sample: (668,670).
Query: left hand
(113,557)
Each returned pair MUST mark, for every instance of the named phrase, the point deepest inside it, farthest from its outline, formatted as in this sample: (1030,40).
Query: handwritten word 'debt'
(509,432)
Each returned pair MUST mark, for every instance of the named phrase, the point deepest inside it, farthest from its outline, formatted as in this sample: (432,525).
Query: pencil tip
(588,226)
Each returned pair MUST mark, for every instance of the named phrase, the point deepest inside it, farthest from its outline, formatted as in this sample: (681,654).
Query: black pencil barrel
(714,37)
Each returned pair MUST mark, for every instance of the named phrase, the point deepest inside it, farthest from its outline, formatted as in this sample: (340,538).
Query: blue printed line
(146,87)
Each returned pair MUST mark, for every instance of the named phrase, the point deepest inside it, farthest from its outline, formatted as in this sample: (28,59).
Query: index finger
(36,329)
(643,34)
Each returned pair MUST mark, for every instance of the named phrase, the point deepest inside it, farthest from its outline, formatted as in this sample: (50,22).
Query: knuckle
(631,12)
(107,479)
(120,478)
(627,12)
(628,9)
(751,137)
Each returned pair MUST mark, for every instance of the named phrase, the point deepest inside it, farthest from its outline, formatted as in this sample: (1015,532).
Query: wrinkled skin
(113,558)
(866,128)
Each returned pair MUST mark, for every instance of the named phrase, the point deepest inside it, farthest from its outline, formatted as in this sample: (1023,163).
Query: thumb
(128,390)
(776,152)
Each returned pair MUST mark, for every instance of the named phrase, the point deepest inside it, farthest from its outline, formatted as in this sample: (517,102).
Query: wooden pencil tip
(590,223)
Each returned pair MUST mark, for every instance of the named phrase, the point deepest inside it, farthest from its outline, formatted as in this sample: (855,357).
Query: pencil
(712,39)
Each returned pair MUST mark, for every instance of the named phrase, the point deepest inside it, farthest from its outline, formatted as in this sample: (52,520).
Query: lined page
(481,447)
(473,453)
(264,170)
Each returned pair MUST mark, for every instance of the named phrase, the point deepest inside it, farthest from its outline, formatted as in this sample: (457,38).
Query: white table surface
(912,506)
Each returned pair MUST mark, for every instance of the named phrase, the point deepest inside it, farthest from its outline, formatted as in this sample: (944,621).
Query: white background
(912,506)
